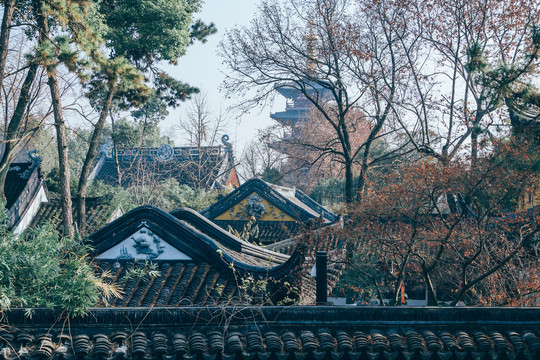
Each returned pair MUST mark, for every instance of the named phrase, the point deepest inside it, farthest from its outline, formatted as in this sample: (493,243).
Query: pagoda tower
(298,95)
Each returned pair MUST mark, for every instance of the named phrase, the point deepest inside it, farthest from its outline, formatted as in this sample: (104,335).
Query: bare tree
(338,56)
(477,56)
(204,131)
(314,154)
(20,88)
(260,155)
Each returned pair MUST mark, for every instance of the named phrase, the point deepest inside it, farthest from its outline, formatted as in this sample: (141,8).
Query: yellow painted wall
(237,212)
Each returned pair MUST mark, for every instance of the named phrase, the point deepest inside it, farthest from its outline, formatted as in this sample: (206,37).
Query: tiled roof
(200,263)
(15,182)
(190,232)
(299,333)
(292,202)
(322,239)
(23,187)
(98,212)
(269,232)
(142,166)
(313,241)
(335,266)
(178,284)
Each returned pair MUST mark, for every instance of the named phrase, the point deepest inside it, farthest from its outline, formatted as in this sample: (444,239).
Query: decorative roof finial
(228,147)
(36,162)
(106,147)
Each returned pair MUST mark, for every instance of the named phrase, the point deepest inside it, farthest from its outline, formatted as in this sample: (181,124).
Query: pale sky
(201,67)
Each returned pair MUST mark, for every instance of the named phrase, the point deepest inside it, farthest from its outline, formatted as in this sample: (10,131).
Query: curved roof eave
(203,245)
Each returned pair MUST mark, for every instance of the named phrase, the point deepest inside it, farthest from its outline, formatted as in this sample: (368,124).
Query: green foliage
(136,134)
(358,281)
(74,36)
(200,31)
(254,290)
(263,291)
(171,90)
(272,175)
(146,32)
(131,88)
(168,195)
(149,30)
(329,192)
(53,181)
(475,59)
(78,140)
(140,270)
(152,112)
(183,196)
(38,269)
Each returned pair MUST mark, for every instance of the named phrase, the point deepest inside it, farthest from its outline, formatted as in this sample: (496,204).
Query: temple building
(198,167)
(279,212)
(25,192)
(29,203)
(300,97)
(199,263)
(298,106)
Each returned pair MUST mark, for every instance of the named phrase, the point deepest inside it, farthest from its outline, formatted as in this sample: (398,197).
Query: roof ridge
(206,248)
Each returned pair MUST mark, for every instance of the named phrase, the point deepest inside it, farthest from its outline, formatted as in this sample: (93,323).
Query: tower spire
(310,40)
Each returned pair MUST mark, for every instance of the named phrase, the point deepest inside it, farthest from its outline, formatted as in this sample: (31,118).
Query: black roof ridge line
(307,199)
(35,192)
(328,316)
(187,214)
(207,247)
(222,205)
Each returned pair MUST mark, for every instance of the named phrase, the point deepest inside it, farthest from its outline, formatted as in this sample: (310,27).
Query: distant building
(203,167)
(530,199)
(30,204)
(25,191)
(298,108)
(280,212)
(525,120)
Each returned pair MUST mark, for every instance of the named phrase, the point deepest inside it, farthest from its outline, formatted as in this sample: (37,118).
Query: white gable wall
(143,244)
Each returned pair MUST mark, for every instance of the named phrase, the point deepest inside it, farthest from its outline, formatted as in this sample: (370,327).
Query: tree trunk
(365,158)
(397,291)
(349,182)
(10,137)
(90,156)
(474,145)
(5,30)
(65,195)
(361,180)
(115,154)
(431,297)
(24,97)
